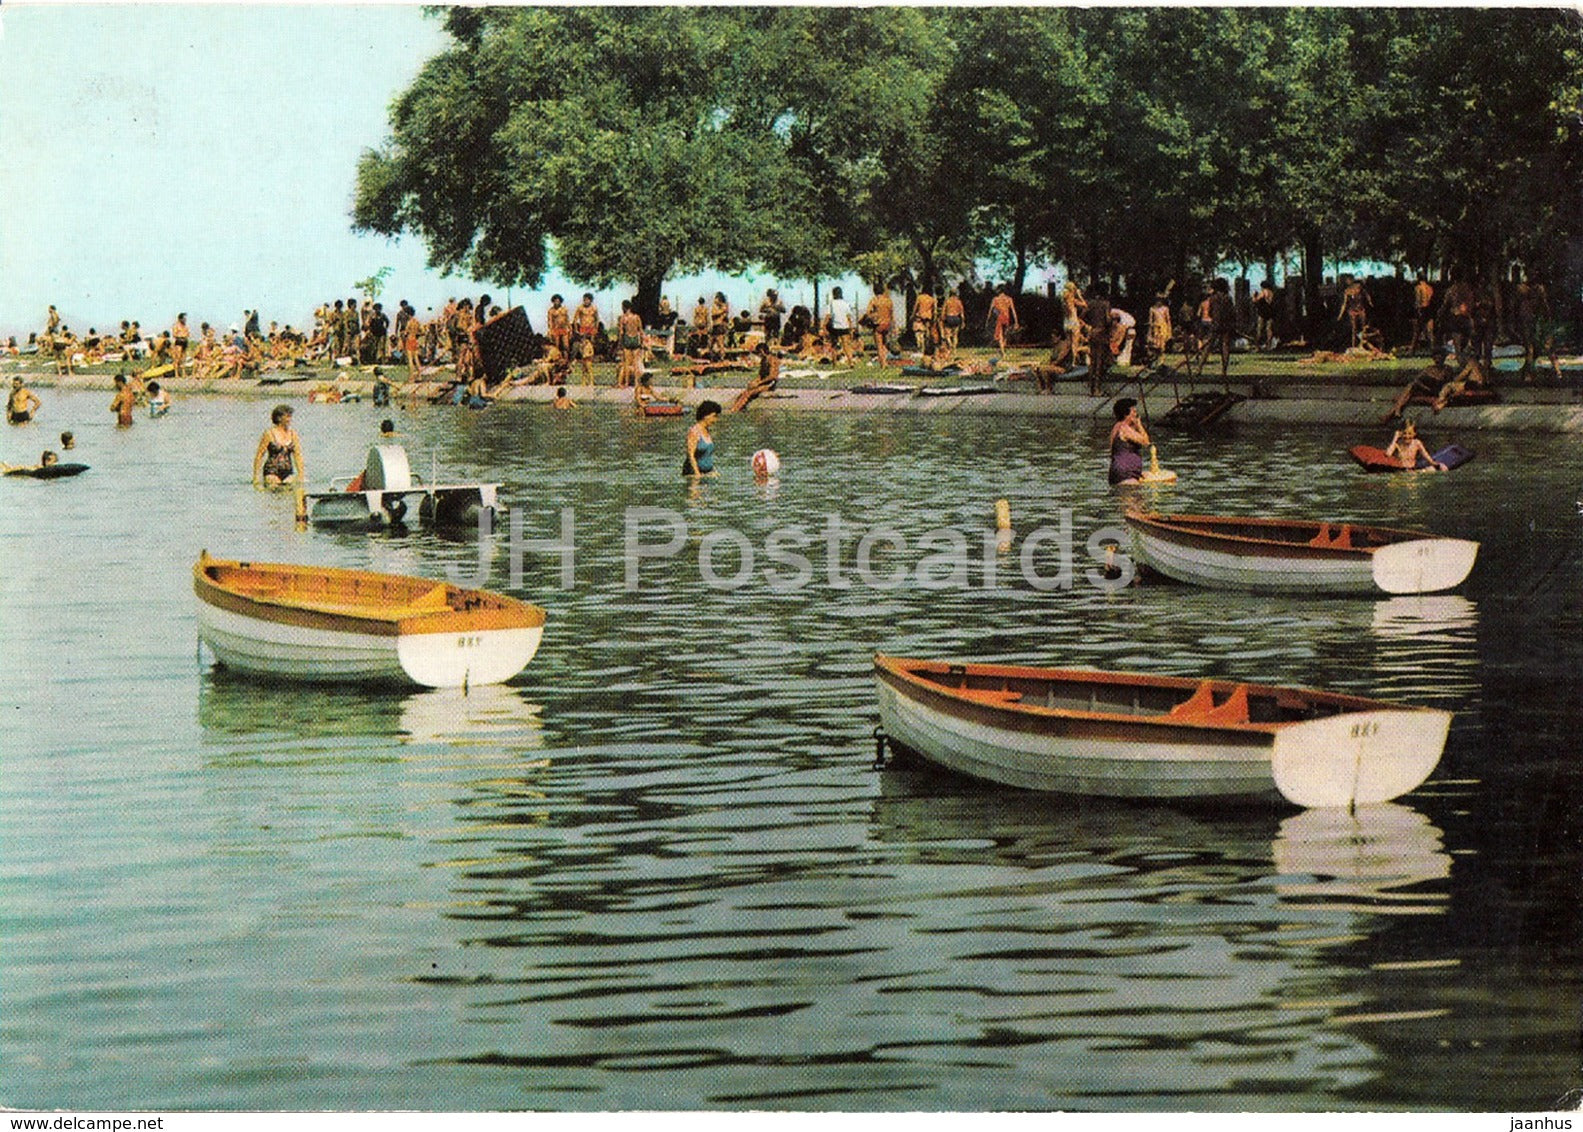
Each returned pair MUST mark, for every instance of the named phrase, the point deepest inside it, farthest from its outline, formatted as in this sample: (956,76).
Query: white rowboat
(1144,736)
(1298,556)
(316,624)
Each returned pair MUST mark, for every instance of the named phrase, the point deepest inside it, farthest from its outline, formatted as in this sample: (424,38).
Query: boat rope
(880,741)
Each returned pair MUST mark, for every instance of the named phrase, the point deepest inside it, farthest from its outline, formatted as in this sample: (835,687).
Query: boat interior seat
(1342,539)
(989,695)
(1234,710)
(1201,701)
(1200,707)
(430,600)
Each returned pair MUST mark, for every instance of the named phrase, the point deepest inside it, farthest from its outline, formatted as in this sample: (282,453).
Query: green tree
(609,136)
(1477,131)
(629,143)
(862,91)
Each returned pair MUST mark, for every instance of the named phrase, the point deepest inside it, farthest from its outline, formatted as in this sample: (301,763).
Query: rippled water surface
(658,870)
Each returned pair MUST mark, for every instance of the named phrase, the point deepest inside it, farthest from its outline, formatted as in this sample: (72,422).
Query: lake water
(659,871)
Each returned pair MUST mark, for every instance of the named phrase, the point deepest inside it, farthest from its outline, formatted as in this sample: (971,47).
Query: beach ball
(766,462)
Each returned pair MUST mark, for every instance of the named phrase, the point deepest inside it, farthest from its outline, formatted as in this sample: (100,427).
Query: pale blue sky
(157,158)
(161,158)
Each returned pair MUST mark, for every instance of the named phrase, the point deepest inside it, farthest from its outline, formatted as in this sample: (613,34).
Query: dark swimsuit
(277,460)
(1126,461)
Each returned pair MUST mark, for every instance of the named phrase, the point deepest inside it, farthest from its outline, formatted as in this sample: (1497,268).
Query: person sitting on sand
(1407,448)
(234,354)
(768,378)
(1371,345)
(562,401)
(814,346)
(44,461)
(1429,382)
(551,369)
(643,393)
(1473,378)
(1057,364)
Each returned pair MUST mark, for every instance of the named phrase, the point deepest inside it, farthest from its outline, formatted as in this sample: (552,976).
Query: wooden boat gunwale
(902,674)
(435,607)
(1191,527)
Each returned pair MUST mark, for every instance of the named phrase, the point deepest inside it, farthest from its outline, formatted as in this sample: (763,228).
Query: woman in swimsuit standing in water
(700,460)
(279,455)
(1127,441)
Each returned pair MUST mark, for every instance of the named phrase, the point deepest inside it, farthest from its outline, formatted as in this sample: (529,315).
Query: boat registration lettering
(1364,730)
(467,642)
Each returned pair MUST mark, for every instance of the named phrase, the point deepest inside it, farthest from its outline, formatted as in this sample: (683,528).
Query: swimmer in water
(47,459)
(1407,448)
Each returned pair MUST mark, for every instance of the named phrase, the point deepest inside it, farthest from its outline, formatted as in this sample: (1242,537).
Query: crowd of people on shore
(1087,327)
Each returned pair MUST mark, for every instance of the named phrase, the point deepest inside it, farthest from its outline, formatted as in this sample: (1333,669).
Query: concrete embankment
(1545,409)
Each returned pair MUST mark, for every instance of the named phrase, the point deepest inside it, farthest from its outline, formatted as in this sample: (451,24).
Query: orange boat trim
(1191,720)
(405,606)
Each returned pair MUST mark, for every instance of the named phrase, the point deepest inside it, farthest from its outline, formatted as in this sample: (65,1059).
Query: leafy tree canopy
(630,143)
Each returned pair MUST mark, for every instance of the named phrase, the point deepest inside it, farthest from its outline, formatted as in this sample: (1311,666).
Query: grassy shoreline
(1298,393)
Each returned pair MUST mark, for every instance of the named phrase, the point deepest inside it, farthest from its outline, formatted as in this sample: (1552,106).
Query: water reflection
(1370,859)
(1451,617)
(233,706)
(784,943)
(489,716)
(1427,648)
(1158,925)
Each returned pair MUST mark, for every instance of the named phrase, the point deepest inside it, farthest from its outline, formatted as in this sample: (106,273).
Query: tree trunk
(1020,248)
(1313,276)
(647,300)
(925,251)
